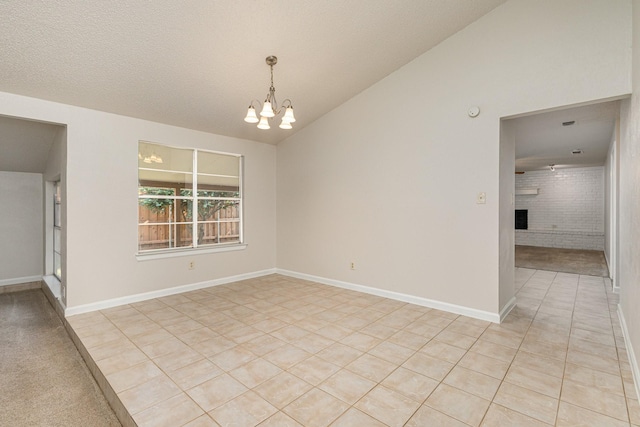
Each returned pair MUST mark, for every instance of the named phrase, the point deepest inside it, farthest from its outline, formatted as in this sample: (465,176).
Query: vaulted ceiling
(198,63)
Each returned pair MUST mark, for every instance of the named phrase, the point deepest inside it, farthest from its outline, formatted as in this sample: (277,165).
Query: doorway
(563,165)
(33,158)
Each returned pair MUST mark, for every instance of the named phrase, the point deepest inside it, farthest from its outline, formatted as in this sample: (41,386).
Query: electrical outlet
(192,265)
(353,265)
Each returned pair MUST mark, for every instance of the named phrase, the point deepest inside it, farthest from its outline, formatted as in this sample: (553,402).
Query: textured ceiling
(198,63)
(542,140)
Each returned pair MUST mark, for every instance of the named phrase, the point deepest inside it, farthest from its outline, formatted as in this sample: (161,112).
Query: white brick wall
(567,212)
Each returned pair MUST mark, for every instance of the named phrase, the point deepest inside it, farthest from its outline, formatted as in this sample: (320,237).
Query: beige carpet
(576,261)
(45,382)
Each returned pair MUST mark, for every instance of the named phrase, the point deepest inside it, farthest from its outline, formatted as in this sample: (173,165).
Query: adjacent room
(562,158)
(209,220)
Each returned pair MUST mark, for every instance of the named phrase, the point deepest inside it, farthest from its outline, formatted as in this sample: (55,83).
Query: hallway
(45,382)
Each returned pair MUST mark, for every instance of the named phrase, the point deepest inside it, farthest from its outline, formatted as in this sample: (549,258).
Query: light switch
(482,198)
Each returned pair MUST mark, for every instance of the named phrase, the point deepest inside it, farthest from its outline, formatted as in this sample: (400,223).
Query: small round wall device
(474,111)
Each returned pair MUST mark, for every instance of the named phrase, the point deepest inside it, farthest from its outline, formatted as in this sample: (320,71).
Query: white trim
(615,288)
(633,362)
(507,309)
(114,302)
(190,252)
(609,282)
(425,302)
(54,286)
(20,280)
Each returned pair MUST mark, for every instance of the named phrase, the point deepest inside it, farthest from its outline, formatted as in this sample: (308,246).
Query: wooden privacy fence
(158,230)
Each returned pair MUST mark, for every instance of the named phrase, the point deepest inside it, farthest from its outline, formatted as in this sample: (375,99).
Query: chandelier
(270,107)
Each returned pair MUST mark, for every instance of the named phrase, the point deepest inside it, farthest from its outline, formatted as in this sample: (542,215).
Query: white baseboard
(633,362)
(609,282)
(101,305)
(425,302)
(20,280)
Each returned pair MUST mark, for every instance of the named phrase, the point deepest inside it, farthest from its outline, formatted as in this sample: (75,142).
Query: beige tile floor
(278,351)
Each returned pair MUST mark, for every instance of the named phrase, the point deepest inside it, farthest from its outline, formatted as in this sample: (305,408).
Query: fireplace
(522,220)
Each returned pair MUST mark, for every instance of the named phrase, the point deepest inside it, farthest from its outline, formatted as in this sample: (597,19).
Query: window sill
(54,285)
(189,252)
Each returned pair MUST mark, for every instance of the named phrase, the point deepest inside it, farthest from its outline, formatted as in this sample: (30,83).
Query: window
(187,198)
(57,231)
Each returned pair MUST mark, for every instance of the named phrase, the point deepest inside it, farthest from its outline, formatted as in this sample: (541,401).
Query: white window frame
(57,226)
(149,254)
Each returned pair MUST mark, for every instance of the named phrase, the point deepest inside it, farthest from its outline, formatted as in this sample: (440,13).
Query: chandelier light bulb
(288,115)
(267,111)
(251,115)
(264,123)
(285,124)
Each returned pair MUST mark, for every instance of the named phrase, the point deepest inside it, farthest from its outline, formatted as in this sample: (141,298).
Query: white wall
(629,213)
(567,212)
(20,227)
(101,203)
(389,179)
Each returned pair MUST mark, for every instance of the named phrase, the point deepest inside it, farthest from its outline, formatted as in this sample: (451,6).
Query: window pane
(212,210)
(224,221)
(229,232)
(152,210)
(57,266)
(210,233)
(231,210)
(56,215)
(152,236)
(163,179)
(207,182)
(56,240)
(218,164)
(58,193)
(154,156)
(218,171)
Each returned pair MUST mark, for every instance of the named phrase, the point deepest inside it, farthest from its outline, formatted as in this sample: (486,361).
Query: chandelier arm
(285,104)
(274,103)
(257,103)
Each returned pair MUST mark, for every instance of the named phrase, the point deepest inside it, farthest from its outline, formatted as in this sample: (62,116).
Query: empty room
(209,220)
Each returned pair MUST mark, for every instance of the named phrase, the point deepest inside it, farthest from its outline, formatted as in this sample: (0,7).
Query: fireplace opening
(522,221)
